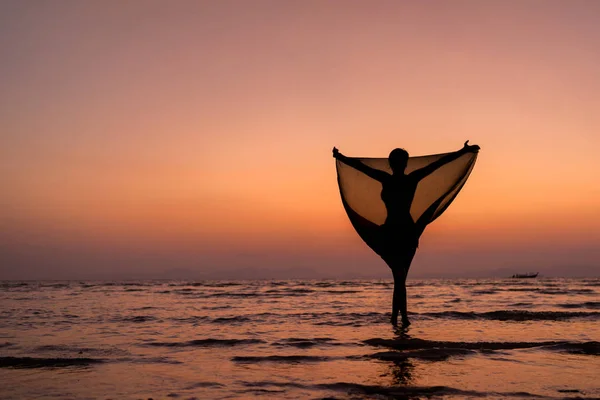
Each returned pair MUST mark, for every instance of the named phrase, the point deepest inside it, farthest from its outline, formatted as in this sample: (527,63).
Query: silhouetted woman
(398,237)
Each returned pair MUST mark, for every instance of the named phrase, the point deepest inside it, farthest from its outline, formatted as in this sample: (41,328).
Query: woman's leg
(399,293)
(407,258)
(403,305)
(400,267)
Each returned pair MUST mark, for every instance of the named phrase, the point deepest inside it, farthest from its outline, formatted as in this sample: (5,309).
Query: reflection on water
(299,339)
(401,370)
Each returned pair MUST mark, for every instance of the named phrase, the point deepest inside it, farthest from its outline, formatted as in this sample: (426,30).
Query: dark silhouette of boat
(524,276)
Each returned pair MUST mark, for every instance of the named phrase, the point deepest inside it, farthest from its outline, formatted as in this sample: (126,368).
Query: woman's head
(398,159)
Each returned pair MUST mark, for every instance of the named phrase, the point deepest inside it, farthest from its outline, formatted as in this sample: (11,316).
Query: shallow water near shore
(504,338)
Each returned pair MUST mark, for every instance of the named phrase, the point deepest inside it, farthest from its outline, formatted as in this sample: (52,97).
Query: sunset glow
(204,129)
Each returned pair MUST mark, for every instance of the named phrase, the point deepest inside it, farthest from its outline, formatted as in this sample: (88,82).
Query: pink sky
(149,136)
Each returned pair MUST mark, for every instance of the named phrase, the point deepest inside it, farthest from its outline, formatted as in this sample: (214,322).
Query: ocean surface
(502,338)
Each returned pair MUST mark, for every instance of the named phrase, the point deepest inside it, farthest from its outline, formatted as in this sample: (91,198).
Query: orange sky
(206,128)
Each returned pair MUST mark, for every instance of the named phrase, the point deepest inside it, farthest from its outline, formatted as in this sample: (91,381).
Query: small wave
(185,292)
(521,304)
(588,348)
(421,344)
(594,305)
(433,354)
(305,343)
(217,284)
(88,351)
(416,391)
(150,360)
(88,285)
(278,283)
(529,289)
(428,348)
(387,391)
(10,285)
(227,320)
(31,362)
(204,385)
(325,284)
(568,292)
(225,307)
(552,291)
(279,293)
(341,291)
(514,315)
(207,343)
(591,283)
(136,319)
(350,283)
(55,285)
(343,319)
(6,344)
(266,391)
(190,320)
(292,290)
(97,284)
(485,291)
(235,294)
(279,359)
(143,284)
(58,347)
(384,284)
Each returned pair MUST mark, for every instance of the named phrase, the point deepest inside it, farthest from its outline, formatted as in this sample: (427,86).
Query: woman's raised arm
(425,171)
(359,165)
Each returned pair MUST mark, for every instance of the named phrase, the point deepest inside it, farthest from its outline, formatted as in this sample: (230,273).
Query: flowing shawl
(361,194)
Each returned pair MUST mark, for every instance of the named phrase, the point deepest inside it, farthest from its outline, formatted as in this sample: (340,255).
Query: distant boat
(527,275)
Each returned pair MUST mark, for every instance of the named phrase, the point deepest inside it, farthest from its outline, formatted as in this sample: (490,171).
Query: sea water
(503,338)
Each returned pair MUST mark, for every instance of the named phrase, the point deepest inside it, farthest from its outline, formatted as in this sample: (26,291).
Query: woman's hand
(336,152)
(470,148)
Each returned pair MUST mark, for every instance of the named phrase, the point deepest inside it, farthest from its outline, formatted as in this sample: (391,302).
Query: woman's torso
(397,193)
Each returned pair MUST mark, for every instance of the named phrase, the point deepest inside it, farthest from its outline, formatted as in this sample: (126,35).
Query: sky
(192,139)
